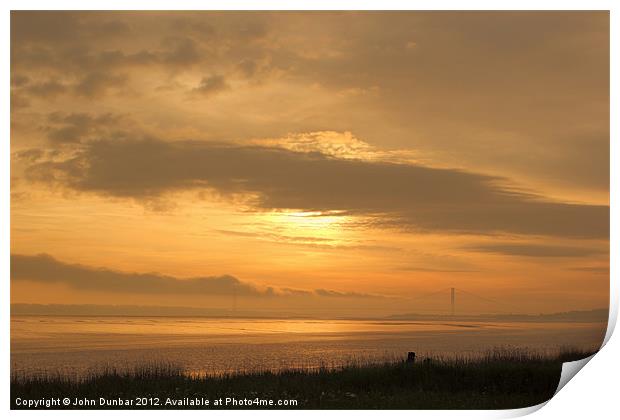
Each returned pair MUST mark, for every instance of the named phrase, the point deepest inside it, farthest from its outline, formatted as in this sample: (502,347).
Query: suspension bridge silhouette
(452,292)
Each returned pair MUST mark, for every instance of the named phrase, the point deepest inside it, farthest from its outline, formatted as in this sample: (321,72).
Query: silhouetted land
(594,315)
(21,309)
(501,379)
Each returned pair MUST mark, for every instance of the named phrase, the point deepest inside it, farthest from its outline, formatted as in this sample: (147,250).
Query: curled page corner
(569,370)
(521,412)
(613,314)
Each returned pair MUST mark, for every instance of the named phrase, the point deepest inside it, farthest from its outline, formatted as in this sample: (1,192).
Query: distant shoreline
(19,309)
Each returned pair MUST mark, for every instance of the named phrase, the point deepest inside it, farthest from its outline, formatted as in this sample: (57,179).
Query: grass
(500,379)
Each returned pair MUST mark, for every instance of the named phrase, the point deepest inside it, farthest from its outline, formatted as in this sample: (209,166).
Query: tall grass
(499,378)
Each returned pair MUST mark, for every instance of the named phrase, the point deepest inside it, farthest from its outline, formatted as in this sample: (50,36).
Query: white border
(593,394)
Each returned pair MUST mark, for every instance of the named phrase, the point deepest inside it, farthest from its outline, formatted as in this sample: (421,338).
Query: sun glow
(316,221)
(327,225)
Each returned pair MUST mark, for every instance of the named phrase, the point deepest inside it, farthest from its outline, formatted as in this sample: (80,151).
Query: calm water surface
(74,345)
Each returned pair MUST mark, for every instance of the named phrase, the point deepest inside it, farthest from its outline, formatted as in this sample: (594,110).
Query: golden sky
(318,163)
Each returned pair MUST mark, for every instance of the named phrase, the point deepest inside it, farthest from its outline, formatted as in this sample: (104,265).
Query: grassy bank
(500,379)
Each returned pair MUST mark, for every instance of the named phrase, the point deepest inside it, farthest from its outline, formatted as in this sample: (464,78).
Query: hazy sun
(322,224)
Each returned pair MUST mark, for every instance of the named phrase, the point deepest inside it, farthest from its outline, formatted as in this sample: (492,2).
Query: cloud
(433,270)
(19,80)
(30,155)
(193,26)
(308,241)
(181,52)
(43,268)
(18,101)
(98,83)
(594,270)
(211,85)
(273,236)
(67,44)
(326,293)
(78,60)
(335,294)
(403,196)
(92,85)
(46,269)
(535,250)
(110,28)
(445,78)
(79,126)
(48,89)
(248,67)
(45,27)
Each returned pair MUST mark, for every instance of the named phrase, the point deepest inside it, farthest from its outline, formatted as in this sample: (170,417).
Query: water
(74,345)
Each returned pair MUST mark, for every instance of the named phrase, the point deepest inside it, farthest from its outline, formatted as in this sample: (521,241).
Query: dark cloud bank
(44,268)
(403,196)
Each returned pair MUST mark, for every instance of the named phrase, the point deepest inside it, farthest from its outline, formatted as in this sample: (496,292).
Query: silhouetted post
(411,357)
(452,301)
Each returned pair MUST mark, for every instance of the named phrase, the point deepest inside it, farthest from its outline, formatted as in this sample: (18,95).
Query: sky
(315,163)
